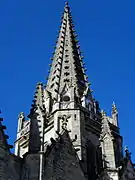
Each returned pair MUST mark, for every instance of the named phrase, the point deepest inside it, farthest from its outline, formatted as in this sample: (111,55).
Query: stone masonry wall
(10,166)
(62,163)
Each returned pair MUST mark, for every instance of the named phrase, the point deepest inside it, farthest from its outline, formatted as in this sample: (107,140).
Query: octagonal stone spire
(67,66)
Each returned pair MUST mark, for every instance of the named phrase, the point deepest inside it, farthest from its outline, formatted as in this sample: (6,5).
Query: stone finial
(114,114)
(114,108)
(66,3)
(21,119)
(103,113)
(21,116)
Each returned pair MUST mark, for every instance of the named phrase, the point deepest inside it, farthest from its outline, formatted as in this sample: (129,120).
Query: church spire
(67,67)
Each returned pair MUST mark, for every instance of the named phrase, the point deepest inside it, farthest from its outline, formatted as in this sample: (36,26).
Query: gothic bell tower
(69,97)
(65,103)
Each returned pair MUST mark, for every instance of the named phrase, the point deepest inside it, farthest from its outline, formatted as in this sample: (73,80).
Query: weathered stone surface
(10,166)
(66,136)
(62,161)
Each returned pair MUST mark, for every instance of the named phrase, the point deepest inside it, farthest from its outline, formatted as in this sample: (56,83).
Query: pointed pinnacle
(67,9)
(113,103)
(66,4)
(103,113)
(114,108)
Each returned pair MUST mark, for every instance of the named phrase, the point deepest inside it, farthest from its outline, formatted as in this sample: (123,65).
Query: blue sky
(106,33)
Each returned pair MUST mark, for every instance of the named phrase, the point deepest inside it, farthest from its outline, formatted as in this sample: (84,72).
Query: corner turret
(111,143)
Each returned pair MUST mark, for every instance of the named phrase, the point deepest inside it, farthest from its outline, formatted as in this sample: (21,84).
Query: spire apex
(67,60)
(67,8)
(66,3)
(113,104)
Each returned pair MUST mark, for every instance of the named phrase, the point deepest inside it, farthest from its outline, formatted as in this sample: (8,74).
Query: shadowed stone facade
(66,136)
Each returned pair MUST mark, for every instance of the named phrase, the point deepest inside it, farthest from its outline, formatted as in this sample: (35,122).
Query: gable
(62,161)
